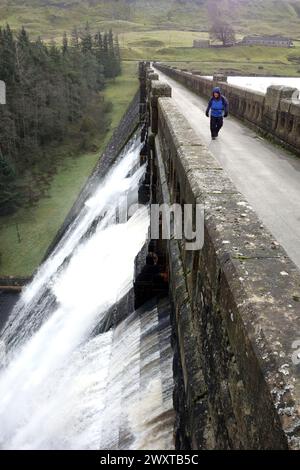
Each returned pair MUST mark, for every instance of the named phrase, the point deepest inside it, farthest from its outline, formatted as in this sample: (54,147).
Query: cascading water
(37,302)
(62,387)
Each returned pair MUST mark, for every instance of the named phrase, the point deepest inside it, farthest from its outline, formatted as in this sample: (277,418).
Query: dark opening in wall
(290,125)
(282,120)
(152,281)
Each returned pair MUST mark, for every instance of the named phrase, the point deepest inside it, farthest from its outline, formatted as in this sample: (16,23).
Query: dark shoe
(214,138)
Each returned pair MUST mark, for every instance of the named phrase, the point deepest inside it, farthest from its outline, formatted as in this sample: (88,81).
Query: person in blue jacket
(218,108)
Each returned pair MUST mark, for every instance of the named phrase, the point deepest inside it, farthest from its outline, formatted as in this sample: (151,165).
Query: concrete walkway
(268,176)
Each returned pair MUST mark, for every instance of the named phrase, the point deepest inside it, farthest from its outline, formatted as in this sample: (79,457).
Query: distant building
(270,41)
(201,43)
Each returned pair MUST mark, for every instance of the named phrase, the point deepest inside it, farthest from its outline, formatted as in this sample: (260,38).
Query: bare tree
(222,31)
(219,14)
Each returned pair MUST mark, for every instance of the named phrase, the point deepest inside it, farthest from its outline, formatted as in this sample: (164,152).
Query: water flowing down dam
(67,382)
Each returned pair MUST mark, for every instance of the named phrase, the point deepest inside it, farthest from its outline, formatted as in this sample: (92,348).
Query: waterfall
(38,300)
(62,387)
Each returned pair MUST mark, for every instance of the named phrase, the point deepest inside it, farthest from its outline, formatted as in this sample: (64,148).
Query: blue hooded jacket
(219,106)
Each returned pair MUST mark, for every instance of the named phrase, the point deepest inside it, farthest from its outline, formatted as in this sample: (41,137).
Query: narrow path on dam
(267,175)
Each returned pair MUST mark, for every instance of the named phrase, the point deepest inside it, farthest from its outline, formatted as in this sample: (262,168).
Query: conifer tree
(51,91)
(65,47)
(8,191)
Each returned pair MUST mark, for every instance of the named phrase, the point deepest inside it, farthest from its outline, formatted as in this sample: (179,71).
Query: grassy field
(25,236)
(246,68)
(236,60)
(176,47)
(164,30)
(52,17)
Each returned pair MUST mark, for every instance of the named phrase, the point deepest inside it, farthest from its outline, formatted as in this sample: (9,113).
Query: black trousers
(215,125)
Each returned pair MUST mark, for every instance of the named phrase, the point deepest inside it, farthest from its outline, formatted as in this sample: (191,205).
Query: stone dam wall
(275,114)
(236,309)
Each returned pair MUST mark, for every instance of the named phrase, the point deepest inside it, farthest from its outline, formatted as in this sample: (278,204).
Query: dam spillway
(67,382)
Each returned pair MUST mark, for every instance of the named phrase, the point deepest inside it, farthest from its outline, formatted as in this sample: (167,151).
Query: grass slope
(55,16)
(164,30)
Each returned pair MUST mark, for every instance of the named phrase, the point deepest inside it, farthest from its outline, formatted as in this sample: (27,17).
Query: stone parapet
(275,113)
(236,306)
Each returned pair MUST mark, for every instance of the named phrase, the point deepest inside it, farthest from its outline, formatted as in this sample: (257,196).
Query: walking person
(218,108)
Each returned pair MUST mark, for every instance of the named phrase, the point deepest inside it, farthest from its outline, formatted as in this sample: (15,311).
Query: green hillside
(50,17)
(164,30)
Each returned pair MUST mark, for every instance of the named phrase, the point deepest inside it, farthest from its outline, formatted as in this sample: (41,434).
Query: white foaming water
(33,306)
(108,394)
(54,388)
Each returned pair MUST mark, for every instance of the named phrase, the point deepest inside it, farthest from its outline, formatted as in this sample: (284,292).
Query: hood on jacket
(217,90)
